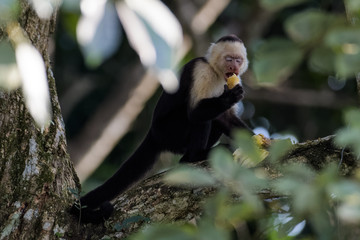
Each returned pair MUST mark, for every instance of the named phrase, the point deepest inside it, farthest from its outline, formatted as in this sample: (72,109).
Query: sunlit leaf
(279,4)
(307,27)
(9,73)
(155,34)
(322,60)
(34,83)
(275,60)
(194,177)
(45,8)
(160,19)
(8,10)
(137,34)
(98,31)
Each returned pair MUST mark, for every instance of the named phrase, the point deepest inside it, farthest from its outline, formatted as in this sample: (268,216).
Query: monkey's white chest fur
(206,84)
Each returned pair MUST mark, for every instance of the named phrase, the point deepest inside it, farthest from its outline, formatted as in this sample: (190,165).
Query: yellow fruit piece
(232,81)
(261,140)
(261,144)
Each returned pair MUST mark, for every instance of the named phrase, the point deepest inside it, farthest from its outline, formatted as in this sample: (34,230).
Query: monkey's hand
(232,96)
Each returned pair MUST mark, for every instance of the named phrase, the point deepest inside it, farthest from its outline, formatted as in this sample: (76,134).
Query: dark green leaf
(307,27)
(279,148)
(322,60)
(275,60)
(348,65)
(223,164)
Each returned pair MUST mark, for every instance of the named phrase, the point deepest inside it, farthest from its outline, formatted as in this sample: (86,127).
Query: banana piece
(232,81)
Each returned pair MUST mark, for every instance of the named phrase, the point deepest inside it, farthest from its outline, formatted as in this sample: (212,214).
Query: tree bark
(152,201)
(35,169)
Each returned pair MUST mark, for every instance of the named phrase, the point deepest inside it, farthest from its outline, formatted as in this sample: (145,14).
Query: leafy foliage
(275,60)
(331,41)
(349,136)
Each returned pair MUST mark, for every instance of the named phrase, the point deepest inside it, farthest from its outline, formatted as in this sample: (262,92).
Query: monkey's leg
(196,149)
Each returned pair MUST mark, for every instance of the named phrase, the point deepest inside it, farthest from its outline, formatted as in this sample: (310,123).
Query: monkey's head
(228,56)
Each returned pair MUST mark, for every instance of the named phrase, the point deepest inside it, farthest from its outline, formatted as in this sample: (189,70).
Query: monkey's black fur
(176,127)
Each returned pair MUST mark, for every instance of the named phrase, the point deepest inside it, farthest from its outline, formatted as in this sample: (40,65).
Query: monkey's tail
(130,172)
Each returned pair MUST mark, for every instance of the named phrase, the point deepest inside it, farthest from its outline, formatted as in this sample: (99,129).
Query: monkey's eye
(238,60)
(228,59)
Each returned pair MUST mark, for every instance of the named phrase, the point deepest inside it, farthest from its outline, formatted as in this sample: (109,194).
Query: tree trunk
(35,170)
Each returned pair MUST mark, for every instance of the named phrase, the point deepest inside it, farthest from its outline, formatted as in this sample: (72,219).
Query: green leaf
(191,176)
(344,39)
(279,148)
(274,5)
(210,231)
(275,60)
(322,60)
(306,199)
(222,163)
(307,27)
(348,65)
(349,136)
(352,118)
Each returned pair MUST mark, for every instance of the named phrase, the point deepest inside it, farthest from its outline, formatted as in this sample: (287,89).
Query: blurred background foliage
(304,69)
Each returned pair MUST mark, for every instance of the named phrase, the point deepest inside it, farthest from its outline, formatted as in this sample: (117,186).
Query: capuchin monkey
(188,122)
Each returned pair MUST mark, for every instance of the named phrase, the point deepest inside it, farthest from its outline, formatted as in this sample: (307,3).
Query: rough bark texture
(35,170)
(153,201)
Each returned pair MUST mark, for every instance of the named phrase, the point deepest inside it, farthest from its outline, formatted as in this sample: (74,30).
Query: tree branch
(153,201)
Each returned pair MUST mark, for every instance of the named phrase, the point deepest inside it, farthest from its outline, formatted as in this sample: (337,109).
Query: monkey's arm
(229,121)
(210,108)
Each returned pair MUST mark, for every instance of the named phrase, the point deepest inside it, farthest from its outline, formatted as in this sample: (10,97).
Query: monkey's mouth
(229,74)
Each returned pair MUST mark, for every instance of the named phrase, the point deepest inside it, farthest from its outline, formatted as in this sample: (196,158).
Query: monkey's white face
(232,65)
(228,58)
